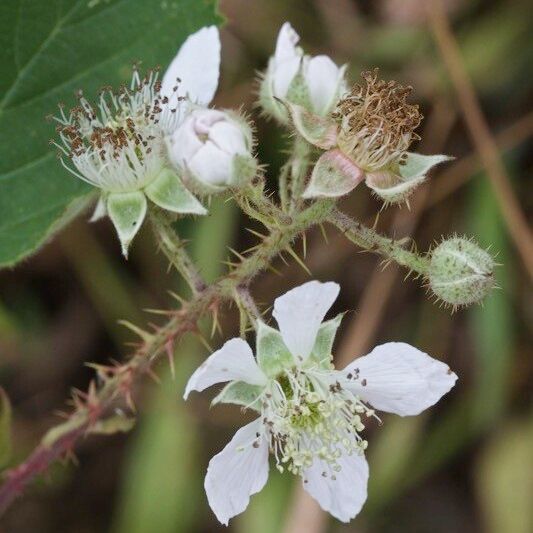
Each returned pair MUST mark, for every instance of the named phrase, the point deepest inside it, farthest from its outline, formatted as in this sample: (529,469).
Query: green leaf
(240,393)
(49,50)
(272,354)
(5,428)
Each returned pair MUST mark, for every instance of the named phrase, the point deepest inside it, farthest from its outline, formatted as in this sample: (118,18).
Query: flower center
(376,122)
(309,417)
(118,144)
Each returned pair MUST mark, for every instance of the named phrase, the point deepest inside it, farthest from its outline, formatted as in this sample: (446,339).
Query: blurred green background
(464,466)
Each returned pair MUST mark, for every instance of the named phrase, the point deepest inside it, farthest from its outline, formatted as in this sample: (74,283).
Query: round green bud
(460,272)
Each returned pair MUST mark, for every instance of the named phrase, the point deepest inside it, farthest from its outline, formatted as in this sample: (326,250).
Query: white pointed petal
(398,378)
(234,361)
(282,74)
(197,65)
(237,472)
(322,77)
(299,313)
(344,496)
(286,44)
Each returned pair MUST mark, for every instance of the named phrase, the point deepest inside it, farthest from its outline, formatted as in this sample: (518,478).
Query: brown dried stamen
(377,123)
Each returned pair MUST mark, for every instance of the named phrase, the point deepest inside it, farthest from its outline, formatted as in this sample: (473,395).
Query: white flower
(310,415)
(119,145)
(313,82)
(214,148)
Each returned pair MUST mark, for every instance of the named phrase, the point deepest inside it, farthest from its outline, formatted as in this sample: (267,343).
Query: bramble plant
(155,151)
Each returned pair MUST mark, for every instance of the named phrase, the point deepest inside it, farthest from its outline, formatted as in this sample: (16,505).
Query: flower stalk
(174,249)
(370,240)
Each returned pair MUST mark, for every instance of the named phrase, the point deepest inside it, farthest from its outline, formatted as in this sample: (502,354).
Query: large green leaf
(51,48)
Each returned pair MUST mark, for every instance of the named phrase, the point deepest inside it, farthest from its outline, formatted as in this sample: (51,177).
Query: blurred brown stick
(480,133)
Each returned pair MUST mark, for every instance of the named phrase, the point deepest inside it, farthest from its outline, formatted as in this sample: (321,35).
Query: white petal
(286,44)
(211,165)
(282,75)
(322,77)
(397,378)
(183,143)
(234,361)
(299,313)
(344,496)
(197,65)
(237,472)
(228,136)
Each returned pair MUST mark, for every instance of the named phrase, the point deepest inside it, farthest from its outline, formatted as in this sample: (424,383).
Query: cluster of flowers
(157,141)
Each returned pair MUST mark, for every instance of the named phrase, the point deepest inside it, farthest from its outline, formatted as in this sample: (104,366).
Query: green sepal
(321,352)
(243,170)
(167,191)
(298,92)
(269,103)
(127,211)
(316,130)
(272,355)
(334,175)
(393,188)
(416,165)
(240,393)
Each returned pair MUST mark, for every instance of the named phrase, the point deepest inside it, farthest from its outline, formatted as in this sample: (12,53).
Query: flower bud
(213,148)
(460,272)
(315,83)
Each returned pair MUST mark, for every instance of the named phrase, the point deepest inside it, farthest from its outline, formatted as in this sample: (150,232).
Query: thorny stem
(174,249)
(247,308)
(299,165)
(370,240)
(117,382)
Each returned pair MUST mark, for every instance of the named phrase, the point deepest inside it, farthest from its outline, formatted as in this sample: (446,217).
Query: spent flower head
(311,417)
(367,137)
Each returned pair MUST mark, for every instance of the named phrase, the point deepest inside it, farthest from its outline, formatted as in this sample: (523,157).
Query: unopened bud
(460,272)
(213,148)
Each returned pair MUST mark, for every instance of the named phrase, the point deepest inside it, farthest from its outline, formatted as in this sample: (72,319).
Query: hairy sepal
(127,211)
(272,355)
(334,175)
(316,130)
(168,191)
(240,393)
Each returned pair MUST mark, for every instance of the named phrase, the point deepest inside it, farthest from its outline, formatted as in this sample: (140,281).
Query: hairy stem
(299,165)
(370,240)
(116,383)
(174,249)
